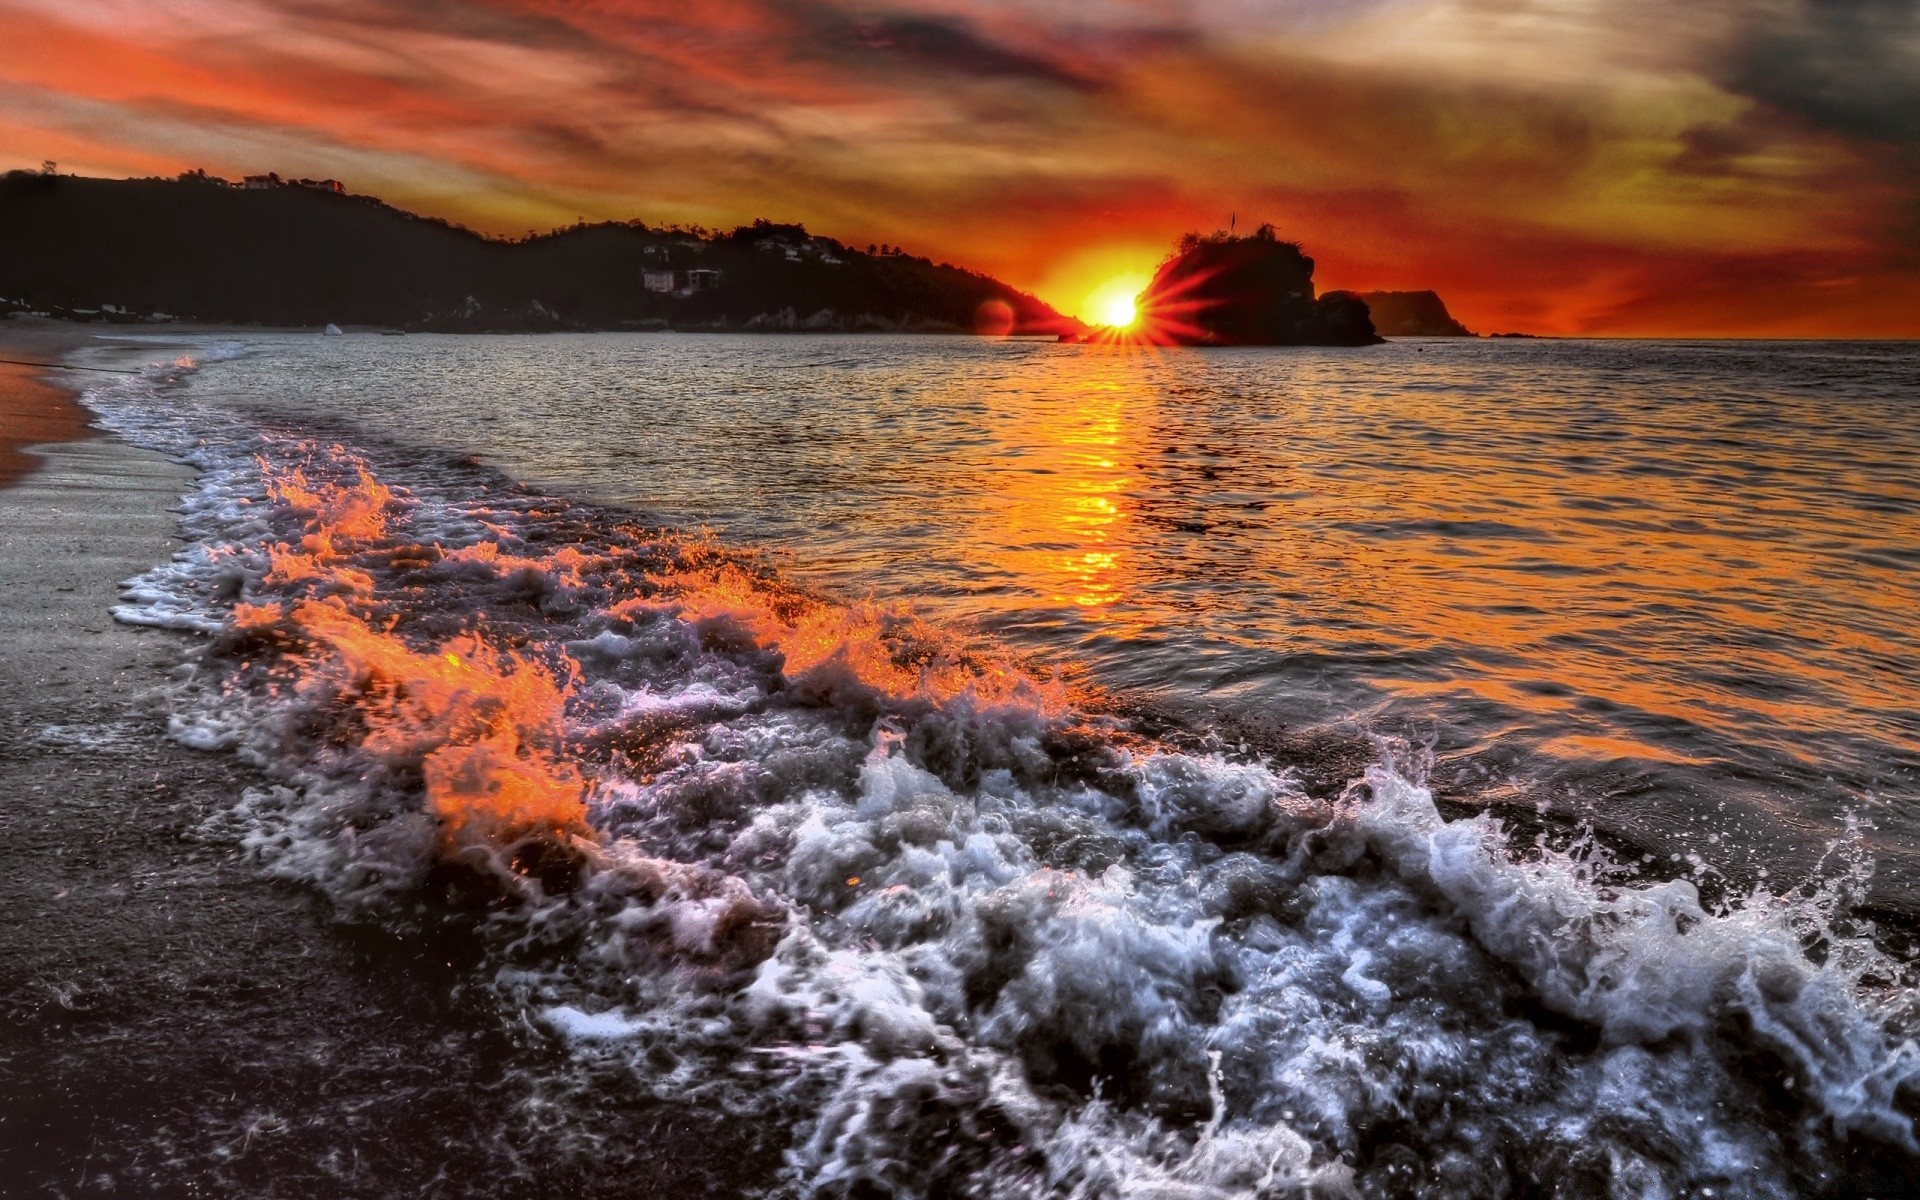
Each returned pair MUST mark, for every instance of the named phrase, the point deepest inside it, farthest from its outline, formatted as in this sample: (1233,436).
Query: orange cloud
(1566,168)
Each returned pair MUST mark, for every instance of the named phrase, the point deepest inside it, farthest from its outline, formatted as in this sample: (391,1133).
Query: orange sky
(1557,166)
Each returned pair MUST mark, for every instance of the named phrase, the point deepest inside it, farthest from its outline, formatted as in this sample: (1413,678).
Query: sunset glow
(1550,167)
(1117,304)
(1101,283)
(1073,599)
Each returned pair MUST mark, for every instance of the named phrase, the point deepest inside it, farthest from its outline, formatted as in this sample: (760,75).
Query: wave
(832,865)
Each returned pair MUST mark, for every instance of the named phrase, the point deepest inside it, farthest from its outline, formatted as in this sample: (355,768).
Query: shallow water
(836,812)
(1667,586)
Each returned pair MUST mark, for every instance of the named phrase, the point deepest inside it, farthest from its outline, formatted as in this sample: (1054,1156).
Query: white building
(657,281)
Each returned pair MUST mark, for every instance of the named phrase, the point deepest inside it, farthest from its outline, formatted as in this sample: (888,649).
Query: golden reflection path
(1061,519)
(1395,527)
(1672,553)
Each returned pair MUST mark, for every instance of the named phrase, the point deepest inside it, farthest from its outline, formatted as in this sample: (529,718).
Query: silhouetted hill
(1411,314)
(1222,290)
(285,254)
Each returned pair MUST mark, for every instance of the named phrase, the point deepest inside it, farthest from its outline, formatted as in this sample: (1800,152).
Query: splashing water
(829,864)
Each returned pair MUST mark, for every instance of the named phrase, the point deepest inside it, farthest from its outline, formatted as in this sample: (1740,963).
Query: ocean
(1450,768)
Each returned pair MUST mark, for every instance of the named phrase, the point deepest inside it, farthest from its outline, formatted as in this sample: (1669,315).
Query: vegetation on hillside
(292,254)
(1226,290)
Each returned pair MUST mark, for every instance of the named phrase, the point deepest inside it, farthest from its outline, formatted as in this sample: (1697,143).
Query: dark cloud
(952,46)
(1012,133)
(507,23)
(1849,66)
(1719,148)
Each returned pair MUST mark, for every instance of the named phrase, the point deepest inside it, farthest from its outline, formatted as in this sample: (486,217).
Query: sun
(1117,309)
(1100,283)
(1116,302)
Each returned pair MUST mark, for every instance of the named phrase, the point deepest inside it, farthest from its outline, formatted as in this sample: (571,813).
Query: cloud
(1849,66)
(945,45)
(1556,163)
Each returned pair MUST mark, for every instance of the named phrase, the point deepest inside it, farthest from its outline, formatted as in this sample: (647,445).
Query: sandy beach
(171,1021)
(180,1016)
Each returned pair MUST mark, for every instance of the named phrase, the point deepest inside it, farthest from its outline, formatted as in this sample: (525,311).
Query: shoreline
(179,1023)
(174,1021)
(35,410)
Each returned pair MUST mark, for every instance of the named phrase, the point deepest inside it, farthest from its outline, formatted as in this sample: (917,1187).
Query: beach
(401,798)
(173,1021)
(1150,601)
(33,411)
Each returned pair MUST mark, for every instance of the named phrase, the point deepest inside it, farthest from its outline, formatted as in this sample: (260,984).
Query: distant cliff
(1222,290)
(1411,314)
(279,253)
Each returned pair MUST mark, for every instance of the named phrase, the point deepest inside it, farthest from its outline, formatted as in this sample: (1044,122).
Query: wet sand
(33,410)
(174,1023)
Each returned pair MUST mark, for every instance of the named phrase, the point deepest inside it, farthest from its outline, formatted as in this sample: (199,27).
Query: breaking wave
(830,865)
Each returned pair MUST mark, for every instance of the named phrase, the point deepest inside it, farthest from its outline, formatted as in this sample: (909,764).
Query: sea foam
(823,863)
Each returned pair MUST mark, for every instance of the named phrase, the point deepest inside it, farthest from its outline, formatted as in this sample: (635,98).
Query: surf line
(21,362)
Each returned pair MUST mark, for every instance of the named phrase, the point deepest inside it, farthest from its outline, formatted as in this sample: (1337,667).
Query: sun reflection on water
(1660,563)
(1068,512)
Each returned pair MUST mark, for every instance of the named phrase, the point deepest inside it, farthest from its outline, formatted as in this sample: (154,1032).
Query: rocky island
(1225,290)
(1411,314)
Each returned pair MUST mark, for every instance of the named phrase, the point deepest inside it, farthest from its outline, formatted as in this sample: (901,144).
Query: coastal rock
(1223,290)
(1410,314)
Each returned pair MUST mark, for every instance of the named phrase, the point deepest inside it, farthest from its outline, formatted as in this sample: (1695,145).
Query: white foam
(949,938)
(115,738)
(570,1022)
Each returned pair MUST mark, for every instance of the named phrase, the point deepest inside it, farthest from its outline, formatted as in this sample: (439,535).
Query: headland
(196,248)
(1225,290)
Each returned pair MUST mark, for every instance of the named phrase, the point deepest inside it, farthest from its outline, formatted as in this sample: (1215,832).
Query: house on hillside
(271,180)
(794,243)
(657,281)
(702,279)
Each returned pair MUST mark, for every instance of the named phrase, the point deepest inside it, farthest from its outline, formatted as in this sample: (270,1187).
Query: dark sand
(172,1023)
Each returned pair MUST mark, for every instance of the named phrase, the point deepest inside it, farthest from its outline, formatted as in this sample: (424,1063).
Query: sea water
(1448,768)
